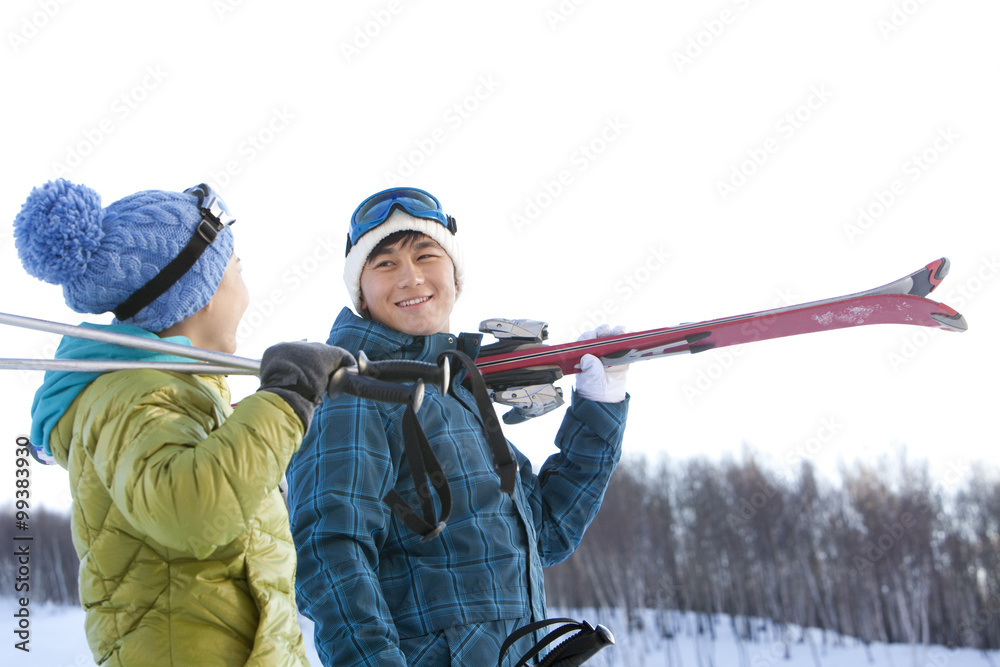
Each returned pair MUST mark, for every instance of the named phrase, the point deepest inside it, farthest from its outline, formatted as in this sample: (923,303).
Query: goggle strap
(452,226)
(204,234)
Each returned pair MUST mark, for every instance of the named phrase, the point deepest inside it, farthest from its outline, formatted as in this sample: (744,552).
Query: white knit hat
(399,221)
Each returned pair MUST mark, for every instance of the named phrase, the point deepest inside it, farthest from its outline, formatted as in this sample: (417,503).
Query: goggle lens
(376,209)
(211,203)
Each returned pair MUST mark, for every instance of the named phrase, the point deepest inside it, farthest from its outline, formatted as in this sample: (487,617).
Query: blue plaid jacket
(380,596)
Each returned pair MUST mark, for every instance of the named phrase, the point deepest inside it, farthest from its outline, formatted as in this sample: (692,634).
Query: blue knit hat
(101,257)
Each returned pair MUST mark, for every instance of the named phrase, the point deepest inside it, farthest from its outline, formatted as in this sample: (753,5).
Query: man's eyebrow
(381,253)
(393,249)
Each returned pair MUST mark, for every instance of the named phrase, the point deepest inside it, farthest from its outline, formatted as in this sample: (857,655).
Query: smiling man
(380,593)
(409,280)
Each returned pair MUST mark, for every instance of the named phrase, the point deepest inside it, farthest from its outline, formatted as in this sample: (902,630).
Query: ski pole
(102,366)
(148,344)
(581,646)
(361,381)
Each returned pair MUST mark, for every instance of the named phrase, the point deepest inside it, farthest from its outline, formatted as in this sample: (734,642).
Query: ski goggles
(215,217)
(373,211)
(211,205)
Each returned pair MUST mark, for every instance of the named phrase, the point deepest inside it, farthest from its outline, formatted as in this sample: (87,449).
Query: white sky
(585,155)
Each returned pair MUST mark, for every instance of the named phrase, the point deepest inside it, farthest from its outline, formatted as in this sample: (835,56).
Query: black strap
(570,626)
(503,458)
(426,473)
(426,470)
(579,648)
(204,234)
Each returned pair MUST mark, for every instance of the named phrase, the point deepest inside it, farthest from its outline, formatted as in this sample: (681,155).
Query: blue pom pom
(57,230)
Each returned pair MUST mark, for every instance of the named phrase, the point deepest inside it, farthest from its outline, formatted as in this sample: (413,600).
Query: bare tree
(884,556)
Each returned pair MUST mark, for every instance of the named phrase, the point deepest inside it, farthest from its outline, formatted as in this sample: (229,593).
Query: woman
(183,538)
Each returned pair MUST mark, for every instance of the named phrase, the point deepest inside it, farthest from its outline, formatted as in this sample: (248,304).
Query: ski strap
(503,458)
(573,652)
(422,461)
(426,470)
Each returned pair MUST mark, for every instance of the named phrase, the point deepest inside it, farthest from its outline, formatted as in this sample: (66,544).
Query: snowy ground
(57,641)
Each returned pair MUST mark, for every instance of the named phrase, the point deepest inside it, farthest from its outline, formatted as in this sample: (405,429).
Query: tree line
(38,561)
(882,555)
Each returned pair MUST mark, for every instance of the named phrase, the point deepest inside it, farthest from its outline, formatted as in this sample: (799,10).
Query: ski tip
(954,322)
(939,269)
(924,281)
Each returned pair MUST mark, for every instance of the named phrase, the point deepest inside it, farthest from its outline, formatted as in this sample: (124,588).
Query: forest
(885,554)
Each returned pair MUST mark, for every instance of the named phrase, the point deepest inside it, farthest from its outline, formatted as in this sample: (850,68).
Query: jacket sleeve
(570,486)
(183,473)
(335,485)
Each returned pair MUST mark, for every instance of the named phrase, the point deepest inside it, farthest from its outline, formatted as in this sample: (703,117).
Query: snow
(57,640)
(825,319)
(788,647)
(855,315)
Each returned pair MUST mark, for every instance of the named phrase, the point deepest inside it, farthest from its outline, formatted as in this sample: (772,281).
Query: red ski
(899,302)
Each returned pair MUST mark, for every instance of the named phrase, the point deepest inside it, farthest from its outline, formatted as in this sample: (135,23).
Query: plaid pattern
(473,644)
(378,595)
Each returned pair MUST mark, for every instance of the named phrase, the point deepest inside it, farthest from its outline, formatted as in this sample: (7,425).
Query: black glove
(300,373)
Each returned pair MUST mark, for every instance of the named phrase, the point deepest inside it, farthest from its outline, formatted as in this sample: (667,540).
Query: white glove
(605,384)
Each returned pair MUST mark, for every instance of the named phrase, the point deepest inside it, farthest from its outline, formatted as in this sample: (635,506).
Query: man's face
(410,286)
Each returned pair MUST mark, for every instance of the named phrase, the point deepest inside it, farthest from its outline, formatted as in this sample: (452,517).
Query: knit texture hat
(101,256)
(399,221)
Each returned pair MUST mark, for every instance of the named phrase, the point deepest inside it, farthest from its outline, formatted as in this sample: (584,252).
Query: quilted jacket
(185,552)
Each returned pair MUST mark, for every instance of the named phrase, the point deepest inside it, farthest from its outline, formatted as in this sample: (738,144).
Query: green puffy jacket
(186,556)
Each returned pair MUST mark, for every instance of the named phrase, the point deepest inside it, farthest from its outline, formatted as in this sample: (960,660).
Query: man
(380,593)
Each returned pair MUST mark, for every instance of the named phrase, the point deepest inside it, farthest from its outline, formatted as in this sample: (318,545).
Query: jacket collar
(378,341)
(60,388)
